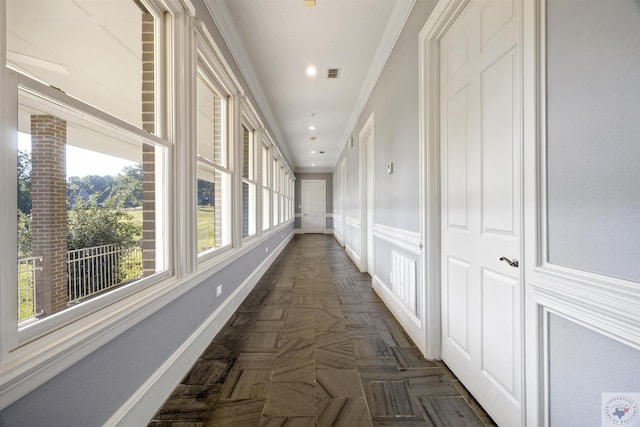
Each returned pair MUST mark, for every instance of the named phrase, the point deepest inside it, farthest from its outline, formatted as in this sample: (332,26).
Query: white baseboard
(354,257)
(338,238)
(144,403)
(411,324)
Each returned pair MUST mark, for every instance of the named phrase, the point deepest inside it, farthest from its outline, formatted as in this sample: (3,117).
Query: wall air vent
(333,73)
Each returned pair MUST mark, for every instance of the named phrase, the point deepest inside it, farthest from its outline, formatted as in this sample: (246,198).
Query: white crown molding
(222,18)
(396,22)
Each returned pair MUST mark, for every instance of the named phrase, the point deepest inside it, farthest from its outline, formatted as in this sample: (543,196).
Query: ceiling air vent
(333,73)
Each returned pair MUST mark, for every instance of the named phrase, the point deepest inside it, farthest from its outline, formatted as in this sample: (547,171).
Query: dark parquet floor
(314,345)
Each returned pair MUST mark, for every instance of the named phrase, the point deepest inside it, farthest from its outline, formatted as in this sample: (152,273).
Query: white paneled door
(481,205)
(314,206)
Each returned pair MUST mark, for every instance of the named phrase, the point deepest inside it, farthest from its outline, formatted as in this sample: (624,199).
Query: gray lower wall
(91,391)
(583,365)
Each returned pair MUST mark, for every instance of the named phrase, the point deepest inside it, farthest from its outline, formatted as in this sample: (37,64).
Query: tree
(127,187)
(24,234)
(24,181)
(91,223)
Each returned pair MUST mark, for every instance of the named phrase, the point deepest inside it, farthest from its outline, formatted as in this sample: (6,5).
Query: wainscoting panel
(404,280)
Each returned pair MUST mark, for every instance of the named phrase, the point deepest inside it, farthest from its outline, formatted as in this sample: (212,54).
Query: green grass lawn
(136,214)
(206,228)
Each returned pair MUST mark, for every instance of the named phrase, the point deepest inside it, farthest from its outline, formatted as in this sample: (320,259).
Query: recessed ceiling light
(313,164)
(313,152)
(309,3)
(312,127)
(311,71)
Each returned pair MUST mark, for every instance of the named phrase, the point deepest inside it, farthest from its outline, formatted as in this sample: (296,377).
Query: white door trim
(439,22)
(364,187)
(343,201)
(442,18)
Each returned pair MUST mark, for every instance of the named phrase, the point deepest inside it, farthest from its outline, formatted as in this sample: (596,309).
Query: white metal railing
(93,270)
(89,271)
(27,268)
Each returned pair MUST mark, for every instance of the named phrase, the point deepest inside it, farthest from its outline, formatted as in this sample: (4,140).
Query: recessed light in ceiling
(312,127)
(313,152)
(309,3)
(313,164)
(311,71)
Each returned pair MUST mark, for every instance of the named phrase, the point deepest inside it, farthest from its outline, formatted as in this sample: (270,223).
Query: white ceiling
(274,41)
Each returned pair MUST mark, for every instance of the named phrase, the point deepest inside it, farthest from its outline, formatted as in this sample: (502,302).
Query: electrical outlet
(219,290)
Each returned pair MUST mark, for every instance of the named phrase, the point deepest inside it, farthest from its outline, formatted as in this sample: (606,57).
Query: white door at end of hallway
(481,223)
(314,206)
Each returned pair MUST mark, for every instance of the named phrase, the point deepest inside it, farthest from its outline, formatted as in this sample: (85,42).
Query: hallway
(313,345)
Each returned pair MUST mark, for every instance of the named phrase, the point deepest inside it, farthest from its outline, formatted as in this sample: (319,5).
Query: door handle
(513,263)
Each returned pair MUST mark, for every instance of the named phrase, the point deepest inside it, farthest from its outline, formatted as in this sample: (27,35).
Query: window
(104,56)
(281,190)
(214,177)
(91,173)
(266,192)
(275,172)
(248,182)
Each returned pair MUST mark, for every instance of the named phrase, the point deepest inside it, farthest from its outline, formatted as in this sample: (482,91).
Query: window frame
(31,361)
(204,71)
(35,353)
(102,121)
(249,120)
(265,184)
(97,120)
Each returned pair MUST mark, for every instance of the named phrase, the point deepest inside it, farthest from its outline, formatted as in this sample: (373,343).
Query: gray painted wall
(328,178)
(593,146)
(395,103)
(593,187)
(584,364)
(91,391)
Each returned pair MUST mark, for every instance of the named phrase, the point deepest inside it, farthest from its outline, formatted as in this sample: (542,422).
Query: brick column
(148,151)
(49,211)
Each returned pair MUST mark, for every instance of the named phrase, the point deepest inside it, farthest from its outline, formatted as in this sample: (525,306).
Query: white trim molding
(353,222)
(604,304)
(407,240)
(438,23)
